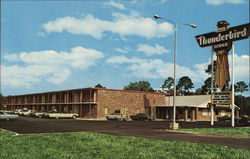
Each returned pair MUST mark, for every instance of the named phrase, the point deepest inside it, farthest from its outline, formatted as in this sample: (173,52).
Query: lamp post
(174,125)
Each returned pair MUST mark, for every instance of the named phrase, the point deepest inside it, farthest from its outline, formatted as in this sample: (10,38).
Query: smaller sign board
(221,99)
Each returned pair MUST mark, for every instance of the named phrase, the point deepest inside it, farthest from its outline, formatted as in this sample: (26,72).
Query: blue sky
(48,46)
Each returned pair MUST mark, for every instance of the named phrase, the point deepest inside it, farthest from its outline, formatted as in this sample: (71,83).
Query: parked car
(7,116)
(141,116)
(58,115)
(37,114)
(228,118)
(245,119)
(114,116)
(18,111)
(25,112)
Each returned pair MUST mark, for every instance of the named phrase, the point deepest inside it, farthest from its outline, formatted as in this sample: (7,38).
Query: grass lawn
(237,131)
(97,146)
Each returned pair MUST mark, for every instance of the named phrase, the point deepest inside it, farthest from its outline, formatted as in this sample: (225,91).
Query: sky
(59,45)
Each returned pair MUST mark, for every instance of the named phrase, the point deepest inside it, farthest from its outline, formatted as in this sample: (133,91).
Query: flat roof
(90,88)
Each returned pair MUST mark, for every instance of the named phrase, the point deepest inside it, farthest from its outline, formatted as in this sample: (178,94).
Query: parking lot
(154,129)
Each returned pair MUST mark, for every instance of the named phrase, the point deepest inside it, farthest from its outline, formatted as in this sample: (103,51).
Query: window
(222,113)
(106,111)
(205,112)
(138,110)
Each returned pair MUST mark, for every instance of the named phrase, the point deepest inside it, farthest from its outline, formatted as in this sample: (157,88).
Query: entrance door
(161,113)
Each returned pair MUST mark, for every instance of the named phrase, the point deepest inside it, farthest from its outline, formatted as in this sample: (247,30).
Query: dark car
(141,116)
(228,118)
(245,119)
(224,118)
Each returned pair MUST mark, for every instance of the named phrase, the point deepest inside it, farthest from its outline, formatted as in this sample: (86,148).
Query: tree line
(185,86)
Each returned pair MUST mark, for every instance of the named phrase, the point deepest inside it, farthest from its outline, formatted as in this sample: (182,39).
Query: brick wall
(130,100)
(202,116)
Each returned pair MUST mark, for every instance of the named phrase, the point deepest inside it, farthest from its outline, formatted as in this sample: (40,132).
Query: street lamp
(174,125)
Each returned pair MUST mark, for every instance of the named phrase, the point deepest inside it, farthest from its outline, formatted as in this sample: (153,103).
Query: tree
(245,107)
(241,87)
(99,86)
(139,86)
(209,68)
(206,88)
(184,85)
(168,85)
(198,91)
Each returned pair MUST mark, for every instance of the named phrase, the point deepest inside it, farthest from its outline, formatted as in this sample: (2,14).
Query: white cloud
(123,59)
(241,67)
(156,68)
(151,50)
(124,50)
(218,2)
(121,24)
(51,66)
(115,4)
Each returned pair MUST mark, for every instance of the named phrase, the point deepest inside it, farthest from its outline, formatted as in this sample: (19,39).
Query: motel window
(205,112)
(222,113)
(106,111)
(138,110)
(124,111)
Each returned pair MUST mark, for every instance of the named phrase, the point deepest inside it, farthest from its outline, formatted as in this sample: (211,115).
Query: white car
(25,112)
(58,115)
(7,116)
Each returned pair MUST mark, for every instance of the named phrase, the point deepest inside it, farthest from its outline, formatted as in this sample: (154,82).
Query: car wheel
(74,117)
(39,116)
(57,117)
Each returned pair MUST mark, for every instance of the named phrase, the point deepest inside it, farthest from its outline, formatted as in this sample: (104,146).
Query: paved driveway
(155,129)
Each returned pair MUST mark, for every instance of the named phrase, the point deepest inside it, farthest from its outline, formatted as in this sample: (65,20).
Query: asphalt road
(154,129)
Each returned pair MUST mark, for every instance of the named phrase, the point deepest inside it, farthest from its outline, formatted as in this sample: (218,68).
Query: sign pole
(232,119)
(212,85)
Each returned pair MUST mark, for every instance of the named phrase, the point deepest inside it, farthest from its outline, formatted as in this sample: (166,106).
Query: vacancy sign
(221,98)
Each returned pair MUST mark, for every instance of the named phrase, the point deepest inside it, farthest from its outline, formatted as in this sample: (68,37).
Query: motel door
(76,109)
(161,113)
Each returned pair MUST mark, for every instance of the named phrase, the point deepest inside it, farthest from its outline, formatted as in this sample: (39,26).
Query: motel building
(97,103)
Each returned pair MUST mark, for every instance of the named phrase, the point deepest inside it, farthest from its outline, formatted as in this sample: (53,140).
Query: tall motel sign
(222,42)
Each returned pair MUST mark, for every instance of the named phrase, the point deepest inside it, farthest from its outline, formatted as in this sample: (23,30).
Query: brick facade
(100,102)
(131,101)
(87,102)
